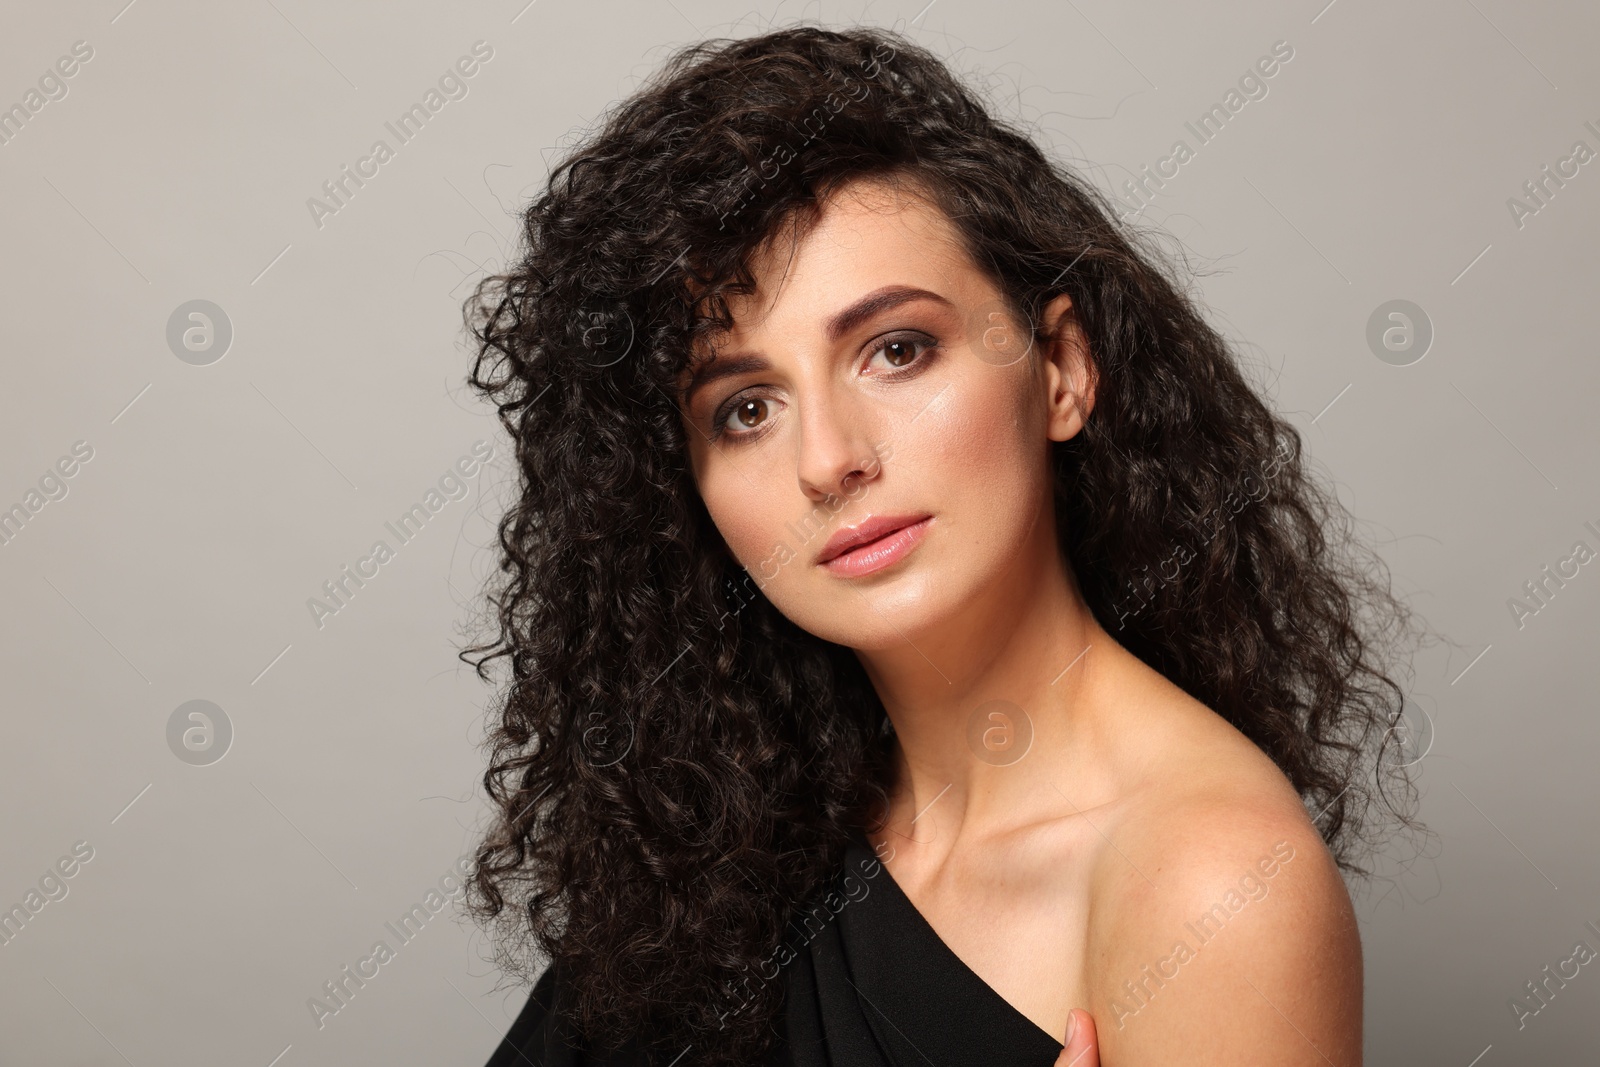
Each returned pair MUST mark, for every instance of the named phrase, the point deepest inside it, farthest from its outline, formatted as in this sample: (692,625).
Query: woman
(921,634)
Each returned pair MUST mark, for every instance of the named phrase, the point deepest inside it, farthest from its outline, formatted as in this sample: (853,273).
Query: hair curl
(675,765)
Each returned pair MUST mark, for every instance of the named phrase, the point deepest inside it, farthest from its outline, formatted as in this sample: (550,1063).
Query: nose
(836,451)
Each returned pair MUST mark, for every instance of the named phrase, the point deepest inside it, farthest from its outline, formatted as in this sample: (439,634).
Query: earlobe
(1068,415)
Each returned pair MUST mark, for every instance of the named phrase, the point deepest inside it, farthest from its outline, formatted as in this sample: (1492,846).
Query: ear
(1068,370)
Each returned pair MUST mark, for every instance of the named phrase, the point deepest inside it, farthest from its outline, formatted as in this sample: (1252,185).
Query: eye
(902,351)
(747,414)
(741,418)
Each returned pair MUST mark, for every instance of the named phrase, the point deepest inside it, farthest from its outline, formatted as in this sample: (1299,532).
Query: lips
(871,529)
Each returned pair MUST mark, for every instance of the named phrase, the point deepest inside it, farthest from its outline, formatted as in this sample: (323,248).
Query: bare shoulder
(1222,931)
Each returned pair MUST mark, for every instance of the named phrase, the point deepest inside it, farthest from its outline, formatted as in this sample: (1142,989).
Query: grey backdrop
(210,498)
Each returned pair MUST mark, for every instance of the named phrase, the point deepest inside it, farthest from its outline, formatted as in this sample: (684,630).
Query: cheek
(978,433)
(747,515)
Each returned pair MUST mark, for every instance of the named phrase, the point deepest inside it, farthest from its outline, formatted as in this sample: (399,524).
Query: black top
(871,984)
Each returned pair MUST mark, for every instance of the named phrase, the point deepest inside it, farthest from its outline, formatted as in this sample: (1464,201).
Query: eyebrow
(841,323)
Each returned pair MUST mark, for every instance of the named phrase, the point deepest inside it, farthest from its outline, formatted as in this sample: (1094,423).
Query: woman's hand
(1082,1048)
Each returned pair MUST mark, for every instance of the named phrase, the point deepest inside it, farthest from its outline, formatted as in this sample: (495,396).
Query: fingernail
(1072,1024)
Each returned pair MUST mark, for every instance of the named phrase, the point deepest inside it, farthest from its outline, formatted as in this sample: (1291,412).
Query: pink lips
(874,544)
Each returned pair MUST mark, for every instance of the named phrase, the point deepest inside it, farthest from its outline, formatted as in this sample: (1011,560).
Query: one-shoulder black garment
(870,984)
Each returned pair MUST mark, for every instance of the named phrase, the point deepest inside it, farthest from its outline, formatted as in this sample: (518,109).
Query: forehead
(865,234)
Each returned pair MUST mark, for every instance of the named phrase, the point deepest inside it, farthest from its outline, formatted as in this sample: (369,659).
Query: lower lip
(876,555)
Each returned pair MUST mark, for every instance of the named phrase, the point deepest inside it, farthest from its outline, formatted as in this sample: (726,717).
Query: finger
(1082,1048)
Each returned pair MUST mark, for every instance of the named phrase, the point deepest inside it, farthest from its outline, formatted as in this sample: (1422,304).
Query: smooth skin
(1067,870)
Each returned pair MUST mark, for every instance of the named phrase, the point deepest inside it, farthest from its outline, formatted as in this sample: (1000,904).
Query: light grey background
(220,497)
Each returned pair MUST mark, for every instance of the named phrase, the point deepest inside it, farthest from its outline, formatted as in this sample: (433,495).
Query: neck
(995,707)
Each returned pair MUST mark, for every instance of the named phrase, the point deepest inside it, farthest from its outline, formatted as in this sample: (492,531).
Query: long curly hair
(675,766)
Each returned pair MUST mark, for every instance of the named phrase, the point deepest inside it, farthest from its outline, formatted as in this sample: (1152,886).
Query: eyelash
(927,345)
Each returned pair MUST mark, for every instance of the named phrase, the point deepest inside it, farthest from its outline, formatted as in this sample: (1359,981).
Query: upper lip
(869,529)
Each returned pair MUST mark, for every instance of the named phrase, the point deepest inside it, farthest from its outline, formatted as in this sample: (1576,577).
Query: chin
(883,613)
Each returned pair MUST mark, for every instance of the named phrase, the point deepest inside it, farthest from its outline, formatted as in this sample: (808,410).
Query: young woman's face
(878,376)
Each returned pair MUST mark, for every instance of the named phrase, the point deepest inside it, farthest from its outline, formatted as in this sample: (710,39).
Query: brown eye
(900,352)
(750,413)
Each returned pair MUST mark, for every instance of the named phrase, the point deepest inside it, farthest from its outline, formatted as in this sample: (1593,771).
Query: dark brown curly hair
(675,765)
